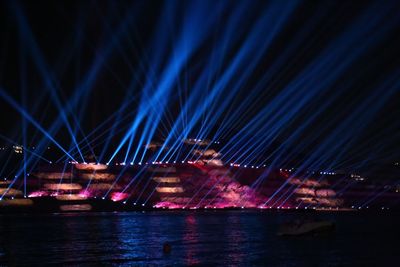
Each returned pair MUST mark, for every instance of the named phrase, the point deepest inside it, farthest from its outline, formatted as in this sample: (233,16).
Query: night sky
(343,55)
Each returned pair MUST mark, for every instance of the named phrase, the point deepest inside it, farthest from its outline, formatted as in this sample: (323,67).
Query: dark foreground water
(223,238)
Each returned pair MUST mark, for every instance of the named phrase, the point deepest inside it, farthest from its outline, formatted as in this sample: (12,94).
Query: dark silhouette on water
(306,227)
(167,248)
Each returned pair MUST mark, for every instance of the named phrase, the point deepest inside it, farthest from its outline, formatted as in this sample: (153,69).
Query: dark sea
(198,238)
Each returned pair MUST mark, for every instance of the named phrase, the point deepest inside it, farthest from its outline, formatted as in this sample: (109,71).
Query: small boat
(306,228)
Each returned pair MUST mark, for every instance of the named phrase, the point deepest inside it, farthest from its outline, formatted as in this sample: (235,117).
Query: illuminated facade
(187,186)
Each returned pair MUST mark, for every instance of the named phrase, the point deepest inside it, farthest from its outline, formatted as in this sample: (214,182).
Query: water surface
(224,238)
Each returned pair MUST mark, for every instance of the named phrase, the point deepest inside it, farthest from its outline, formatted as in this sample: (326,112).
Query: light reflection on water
(226,238)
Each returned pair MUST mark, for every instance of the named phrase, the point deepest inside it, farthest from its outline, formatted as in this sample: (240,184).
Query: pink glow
(230,193)
(85,193)
(119,196)
(38,194)
(168,205)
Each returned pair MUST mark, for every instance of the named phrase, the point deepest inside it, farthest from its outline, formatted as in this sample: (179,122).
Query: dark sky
(125,41)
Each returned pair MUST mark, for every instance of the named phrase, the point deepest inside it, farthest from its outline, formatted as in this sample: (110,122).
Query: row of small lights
(243,207)
(194,162)
(260,207)
(124,202)
(196,140)
(321,172)
(4,147)
(200,140)
(5,178)
(246,166)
